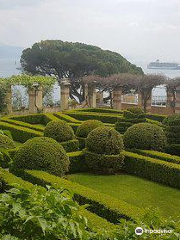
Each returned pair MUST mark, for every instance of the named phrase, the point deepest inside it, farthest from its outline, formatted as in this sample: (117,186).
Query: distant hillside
(10,52)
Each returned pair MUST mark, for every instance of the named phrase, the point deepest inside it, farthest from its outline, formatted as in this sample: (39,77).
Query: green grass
(134,190)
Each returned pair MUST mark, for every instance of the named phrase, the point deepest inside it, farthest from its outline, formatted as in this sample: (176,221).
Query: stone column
(35,99)
(92,97)
(8,100)
(65,94)
(117,94)
(140,101)
(99,98)
(177,104)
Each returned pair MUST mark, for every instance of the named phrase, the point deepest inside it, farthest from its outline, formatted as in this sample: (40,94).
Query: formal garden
(90,173)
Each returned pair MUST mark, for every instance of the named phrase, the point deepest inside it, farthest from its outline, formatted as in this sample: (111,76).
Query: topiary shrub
(104,140)
(130,116)
(103,153)
(145,136)
(6,142)
(59,131)
(42,153)
(172,129)
(86,127)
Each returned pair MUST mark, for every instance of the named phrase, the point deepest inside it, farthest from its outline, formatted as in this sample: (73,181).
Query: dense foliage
(130,117)
(42,153)
(104,140)
(6,142)
(3,90)
(145,136)
(35,214)
(87,126)
(73,60)
(59,130)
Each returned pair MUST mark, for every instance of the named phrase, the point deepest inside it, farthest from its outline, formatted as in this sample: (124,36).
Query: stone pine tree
(74,60)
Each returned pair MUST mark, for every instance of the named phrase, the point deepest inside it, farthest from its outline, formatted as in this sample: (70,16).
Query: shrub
(86,127)
(77,162)
(42,154)
(19,133)
(104,140)
(173,149)
(157,170)
(172,127)
(6,142)
(71,145)
(59,130)
(145,136)
(103,164)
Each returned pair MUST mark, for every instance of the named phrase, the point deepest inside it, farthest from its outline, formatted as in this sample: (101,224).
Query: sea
(8,67)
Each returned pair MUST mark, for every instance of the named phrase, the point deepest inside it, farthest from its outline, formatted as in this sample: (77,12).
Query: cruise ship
(163,65)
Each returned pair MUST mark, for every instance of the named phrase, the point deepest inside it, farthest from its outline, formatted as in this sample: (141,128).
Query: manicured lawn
(134,190)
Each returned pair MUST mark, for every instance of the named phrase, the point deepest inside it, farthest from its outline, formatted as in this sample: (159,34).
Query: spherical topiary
(6,142)
(42,153)
(145,136)
(104,140)
(86,127)
(59,130)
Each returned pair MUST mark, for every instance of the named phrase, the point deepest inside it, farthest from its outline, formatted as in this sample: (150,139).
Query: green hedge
(100,110)
(20,134)
(66,118)
(9,179)
(48,117)
(103,164)
(158,155)
(23,124)
(106,118)
(82,142)
(157,170)
(31,118)
(103,205)
(71,145)
(77,162)
(173,149)
(156,117)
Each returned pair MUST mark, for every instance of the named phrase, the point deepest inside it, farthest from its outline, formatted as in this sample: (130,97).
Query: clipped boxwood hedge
(30,118)
(71,145)
(77,162)
(145,136)
(59,131)
(157,170)
(173,149)
(159,155)
(103,164)
(6,142)
(66,118)
(86,127)
(19,133)
(104,140)
(103,205)
(41,153)
(103,117)
(100,110)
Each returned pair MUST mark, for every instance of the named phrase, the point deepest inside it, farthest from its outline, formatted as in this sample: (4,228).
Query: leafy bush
(104,140)
(77,162)
(41,215)
(30,118)
(157,170)
(60,131)
(6,142)
(145,136)
(156,117)
(86,127)
(43,154)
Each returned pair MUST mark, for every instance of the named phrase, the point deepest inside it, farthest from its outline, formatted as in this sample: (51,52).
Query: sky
(140,30)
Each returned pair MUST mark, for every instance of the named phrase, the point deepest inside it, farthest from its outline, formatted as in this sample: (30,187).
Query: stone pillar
(92,97)
(8,100)
(117,94)
(65,94)
(140,101)
(35,99)
(99,98)
(177,104)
